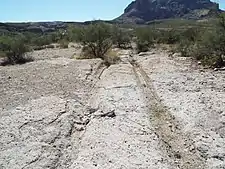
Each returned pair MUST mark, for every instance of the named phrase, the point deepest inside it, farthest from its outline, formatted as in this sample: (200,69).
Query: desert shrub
(145,39)
(54,37)
(191,34)
(16,53)
(142,46)
(63,44)
(183,47)
(210,48)
(96,39)
(121,37)
(2,54)
(207,46)
(73,33)
(168,36)
(41,41)
(5,42)
(86,53)
(111,57)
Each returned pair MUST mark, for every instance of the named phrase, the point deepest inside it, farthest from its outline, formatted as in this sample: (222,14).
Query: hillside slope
(142,11)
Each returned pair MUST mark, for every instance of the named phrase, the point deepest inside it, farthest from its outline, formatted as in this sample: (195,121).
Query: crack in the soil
(57,117)
(174,142)
(29,122)
(33,161)
(54,120)
(117,87)
(102,71)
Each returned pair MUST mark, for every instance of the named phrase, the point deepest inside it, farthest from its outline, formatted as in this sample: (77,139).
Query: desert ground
(152,110)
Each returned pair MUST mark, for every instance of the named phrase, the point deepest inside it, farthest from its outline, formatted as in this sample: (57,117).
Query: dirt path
(175,144)
(149,111)
(119,134)
(189,103)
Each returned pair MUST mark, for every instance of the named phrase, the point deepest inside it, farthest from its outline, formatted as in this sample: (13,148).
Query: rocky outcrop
(142,11)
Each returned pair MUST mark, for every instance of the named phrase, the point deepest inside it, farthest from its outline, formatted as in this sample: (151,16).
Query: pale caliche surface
(195,97)
(147,112)
(124,139)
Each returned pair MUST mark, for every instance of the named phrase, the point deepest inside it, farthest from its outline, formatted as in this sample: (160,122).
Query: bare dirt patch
(194,97)
(148,111)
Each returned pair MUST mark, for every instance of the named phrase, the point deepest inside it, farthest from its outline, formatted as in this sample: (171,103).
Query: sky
(63,10)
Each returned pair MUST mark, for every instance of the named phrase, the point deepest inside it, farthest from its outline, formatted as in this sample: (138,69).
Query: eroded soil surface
(149,111)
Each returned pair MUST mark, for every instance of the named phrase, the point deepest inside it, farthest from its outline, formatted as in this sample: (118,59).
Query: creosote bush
(121,37)
(205,45)
(145,39)
(16,52)
(170,36)
(63,44)
(96,39)
(111,57)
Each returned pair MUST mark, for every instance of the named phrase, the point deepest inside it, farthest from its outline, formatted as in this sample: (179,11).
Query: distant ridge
(143,11)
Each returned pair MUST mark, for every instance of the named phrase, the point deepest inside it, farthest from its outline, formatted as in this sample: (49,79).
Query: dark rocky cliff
(142,11)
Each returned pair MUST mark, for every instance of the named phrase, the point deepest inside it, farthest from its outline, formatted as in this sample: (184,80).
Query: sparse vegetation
(15,52)
(64,44)
(111,57)
(145,39)
(205,45)
(121,37)
(202,41)
(96,39)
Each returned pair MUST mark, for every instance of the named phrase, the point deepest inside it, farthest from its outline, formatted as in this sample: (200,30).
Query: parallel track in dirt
(176,145)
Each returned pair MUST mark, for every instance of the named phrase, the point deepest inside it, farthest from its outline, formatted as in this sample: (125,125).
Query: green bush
(72,33)
(64,44)
(41,41)
(209,47)
(2,54)
(184,48)
(173,36)
(145,39)
(191,34)
(111,57)
(5,42)
(16,53)
(142,46)
(121,37)
(96,39)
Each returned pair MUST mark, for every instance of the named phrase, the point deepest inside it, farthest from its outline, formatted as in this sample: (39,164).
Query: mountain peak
(142,11)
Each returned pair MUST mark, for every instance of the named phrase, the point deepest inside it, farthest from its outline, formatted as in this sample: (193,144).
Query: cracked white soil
(150,111)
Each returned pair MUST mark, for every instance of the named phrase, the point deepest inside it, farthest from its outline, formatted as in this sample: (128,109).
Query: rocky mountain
(142,11)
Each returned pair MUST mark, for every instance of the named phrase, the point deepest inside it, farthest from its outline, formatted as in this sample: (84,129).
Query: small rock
(110,114)
(219,157)
(177,155)
(92,110)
